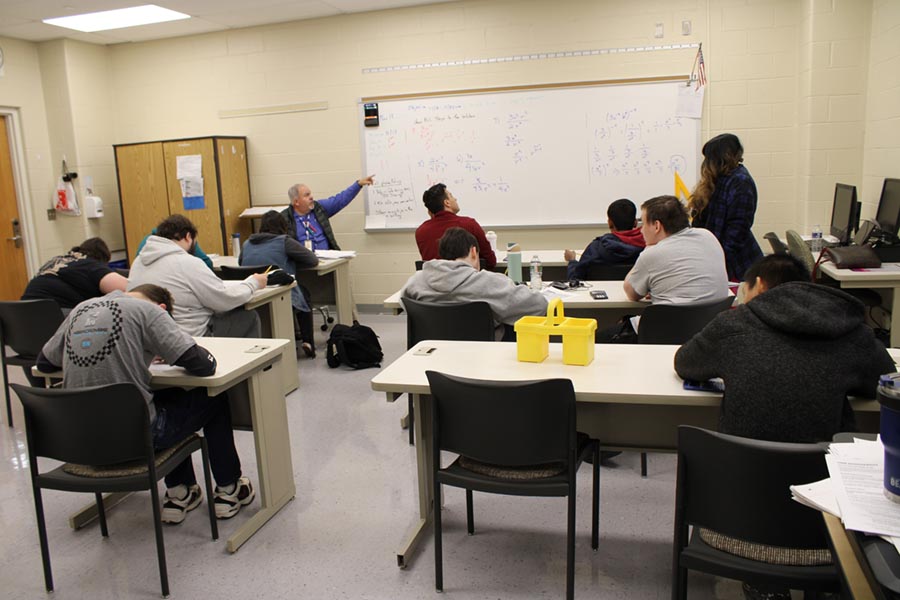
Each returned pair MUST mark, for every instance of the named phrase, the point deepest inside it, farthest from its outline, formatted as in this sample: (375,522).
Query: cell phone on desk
(711,385)
(599,295)
(560,285)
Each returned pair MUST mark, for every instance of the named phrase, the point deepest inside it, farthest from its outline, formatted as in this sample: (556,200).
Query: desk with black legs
(886,277)
(255,364)
(629,398)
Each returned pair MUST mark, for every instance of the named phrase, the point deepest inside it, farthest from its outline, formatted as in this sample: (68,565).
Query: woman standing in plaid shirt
(724,202)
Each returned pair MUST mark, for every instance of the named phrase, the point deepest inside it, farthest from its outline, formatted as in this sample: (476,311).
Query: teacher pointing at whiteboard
(309,218)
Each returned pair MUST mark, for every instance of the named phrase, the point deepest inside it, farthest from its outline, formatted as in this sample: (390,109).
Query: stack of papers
(336,253)
(855,490)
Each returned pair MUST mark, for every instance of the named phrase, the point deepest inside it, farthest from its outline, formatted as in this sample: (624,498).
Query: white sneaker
(176,509)
(228,505)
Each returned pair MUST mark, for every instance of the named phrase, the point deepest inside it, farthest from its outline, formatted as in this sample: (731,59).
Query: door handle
(16,231)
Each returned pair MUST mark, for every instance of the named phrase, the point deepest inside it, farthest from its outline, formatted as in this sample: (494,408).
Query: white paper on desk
(189,166)
(858,485)
(336,253)
(551,292)
(819,495)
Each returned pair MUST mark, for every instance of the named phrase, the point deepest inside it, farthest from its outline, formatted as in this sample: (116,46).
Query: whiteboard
(532,157)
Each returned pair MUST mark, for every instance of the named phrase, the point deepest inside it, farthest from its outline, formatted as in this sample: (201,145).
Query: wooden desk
(885,278)
(629,398)
(276,316)
(338,293)
(266,414)
(857,576)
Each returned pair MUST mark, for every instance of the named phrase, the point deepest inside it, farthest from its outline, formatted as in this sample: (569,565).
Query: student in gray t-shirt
(113,339)
(678,266)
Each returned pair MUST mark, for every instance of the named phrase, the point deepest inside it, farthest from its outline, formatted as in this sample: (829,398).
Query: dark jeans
(180,413)
(303,321)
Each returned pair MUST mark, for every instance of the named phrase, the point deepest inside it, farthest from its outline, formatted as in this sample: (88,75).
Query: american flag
(701,68)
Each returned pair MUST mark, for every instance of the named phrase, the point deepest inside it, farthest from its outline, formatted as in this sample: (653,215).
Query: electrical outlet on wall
(51,214)
(685,27)
(658,32)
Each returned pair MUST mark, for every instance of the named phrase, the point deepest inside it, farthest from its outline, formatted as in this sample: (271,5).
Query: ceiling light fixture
(118,19)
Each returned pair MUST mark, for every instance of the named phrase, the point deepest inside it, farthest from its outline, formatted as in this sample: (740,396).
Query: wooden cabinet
(150,191)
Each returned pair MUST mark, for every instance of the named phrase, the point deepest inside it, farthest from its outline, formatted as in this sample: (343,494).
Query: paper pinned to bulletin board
(189,171)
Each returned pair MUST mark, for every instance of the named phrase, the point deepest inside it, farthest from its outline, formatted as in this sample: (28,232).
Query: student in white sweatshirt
(204,305)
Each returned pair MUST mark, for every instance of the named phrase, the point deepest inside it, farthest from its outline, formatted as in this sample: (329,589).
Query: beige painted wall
(788,76)
(882,150)
(21,89)
(751,50)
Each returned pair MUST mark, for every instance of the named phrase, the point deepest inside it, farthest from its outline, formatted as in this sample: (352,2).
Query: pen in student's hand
(267,270)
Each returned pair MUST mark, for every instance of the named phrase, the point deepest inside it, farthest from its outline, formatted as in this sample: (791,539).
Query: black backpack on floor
(355,346)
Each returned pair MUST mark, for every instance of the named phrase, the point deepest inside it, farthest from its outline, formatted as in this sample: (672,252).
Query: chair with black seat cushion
(599,272)
(516,438)
(778,246)
(676,324)
(103,436)
(733,491)
(25,326)
(460,321)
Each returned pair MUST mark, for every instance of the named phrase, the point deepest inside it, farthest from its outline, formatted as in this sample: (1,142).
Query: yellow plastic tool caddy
(533,336)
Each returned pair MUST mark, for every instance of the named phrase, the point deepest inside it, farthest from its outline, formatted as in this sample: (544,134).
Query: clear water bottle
(536,271)
(817,243)
(235,244)
(492,240)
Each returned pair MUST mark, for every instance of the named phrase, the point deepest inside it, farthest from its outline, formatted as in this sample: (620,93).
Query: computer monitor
(844,213)
(888,215)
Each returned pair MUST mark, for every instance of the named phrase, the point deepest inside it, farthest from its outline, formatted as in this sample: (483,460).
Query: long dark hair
(721,155)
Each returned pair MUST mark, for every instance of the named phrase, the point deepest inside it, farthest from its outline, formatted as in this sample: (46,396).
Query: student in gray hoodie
(456,277)
(204,304)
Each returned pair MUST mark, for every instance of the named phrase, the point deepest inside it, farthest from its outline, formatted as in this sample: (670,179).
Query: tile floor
(356,491)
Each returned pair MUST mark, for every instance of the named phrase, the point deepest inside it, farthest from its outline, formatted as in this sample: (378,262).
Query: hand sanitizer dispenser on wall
(93,206)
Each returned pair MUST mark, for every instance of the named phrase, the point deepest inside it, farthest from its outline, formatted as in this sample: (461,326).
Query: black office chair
(676,324)
(25,326)
(599,272)
(734,492)
(483,263)
(227,273)
(461,321)
(515,438)
(109,426)
(778,246)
